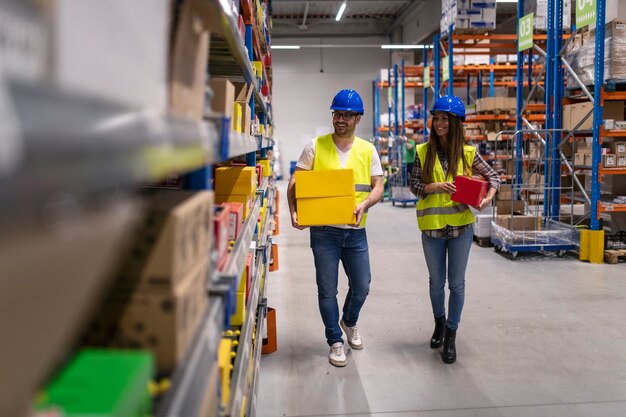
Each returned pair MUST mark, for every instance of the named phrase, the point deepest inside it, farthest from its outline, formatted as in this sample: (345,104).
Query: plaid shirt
(417,187)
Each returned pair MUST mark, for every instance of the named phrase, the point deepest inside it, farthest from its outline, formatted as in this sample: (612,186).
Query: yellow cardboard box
(266,166)
(237,117)
(246,200)
(326,210)
(329,183)
(235,180)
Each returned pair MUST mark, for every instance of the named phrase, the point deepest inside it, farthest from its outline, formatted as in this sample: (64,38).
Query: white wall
(305,82)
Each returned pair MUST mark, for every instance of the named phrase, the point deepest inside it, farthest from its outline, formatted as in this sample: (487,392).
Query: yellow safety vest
(359,160)
(437,210)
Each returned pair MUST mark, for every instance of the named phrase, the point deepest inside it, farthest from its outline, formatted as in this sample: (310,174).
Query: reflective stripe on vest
(359,160)
(436,210)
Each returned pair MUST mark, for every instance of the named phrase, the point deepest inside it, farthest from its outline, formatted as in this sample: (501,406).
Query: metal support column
(395,99)
(374,107)
(479,82)
(437,62)
(597,113)
(549,88)
(403,91)
(389,100)
(557,107)
(425,101)
(450,62)
(519,97)
(492,76)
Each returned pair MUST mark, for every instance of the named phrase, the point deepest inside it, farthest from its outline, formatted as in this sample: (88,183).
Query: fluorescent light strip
(406,46)
(506,1)
(341,10)
(285,47)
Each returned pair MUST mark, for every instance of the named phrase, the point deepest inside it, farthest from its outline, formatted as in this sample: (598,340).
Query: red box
(470,191)
(221,217)
(259,174)
(235,211)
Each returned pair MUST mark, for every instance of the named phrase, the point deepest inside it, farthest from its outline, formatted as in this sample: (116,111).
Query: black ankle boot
(449,348)
(437,338)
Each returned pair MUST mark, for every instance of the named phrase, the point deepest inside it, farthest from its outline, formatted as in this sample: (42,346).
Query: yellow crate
(328,183)
(326,210)
(235,180)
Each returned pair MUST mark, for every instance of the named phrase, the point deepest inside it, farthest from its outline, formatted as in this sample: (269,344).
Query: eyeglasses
(345,116)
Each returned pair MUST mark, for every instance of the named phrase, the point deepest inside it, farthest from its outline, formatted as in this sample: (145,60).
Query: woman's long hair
(456,140)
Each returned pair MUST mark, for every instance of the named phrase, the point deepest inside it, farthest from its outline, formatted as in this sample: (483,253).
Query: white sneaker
(337,356)
(354,339)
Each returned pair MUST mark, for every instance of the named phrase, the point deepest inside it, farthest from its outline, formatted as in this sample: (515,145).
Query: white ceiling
(316,18)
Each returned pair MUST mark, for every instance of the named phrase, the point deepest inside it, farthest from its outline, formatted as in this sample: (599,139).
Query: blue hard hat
(348,100)
(450,104)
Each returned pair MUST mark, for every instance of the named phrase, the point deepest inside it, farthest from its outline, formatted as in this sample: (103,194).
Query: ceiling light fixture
(406,46)
(506,1)
(341,10)
(285,46)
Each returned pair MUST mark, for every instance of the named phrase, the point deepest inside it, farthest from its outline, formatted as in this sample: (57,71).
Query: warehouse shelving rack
(68,148)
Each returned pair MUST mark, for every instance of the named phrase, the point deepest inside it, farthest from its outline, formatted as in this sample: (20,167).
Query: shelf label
(525,32)
(446,71)
(609,207)
(427,76)
(585,12)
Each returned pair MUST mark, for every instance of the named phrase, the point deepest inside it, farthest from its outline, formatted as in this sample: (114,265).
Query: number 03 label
(525,32)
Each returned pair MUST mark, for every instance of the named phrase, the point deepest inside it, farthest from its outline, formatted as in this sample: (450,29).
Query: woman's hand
(440,188)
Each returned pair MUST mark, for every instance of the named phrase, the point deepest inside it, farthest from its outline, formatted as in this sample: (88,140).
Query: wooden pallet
(611,256)
(483,242)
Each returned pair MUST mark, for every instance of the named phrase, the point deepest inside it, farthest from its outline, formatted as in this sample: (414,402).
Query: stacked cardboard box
(540,10)
(468,15)
(159,296)
(236,183)
(325,197)
(581,53)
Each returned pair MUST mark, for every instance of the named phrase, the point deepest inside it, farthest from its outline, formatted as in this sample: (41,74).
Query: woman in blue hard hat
(345,243)
(447,226)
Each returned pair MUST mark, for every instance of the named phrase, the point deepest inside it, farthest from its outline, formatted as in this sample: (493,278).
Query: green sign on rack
(525,32)
(585,12)
(427,76)
(446,70)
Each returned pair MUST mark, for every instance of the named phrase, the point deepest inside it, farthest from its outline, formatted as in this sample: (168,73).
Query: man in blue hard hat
(345,243)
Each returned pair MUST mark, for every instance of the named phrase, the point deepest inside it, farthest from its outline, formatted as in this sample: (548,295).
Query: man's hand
(359,211)
(294,221)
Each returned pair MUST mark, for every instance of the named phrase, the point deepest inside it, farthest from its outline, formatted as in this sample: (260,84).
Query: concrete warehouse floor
(539,336)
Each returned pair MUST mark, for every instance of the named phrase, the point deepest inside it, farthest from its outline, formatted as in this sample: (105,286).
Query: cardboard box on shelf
(188,62)
(618,148)
(221,228)
(469,191)
(163,321)
(245,200)
(223,100)
(505,192)
(174,236)
(235,222)
(609,160)
(510,207)
(621,160)
(243,93)
(235,180)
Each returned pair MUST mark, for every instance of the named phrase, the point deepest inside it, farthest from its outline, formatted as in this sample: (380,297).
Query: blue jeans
(457,252)
(330,245)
